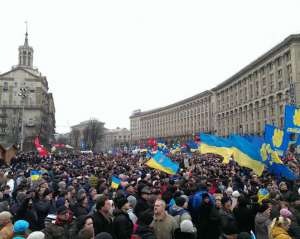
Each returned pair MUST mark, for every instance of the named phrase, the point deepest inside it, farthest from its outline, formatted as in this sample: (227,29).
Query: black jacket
(122,225)
(80,211)
(141,206)
(145,232)
(102,224)
(245,218)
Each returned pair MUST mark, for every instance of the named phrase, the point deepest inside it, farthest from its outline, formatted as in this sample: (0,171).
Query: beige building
(242,104)
(116,138)
(25,87)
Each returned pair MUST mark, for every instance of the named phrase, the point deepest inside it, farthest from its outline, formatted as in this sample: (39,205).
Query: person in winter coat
(244,216)
(20,229)
(227,217)
(103,216)
(208,222)
(85,223)
(122,224)
(143,230)
(279,228)
(82,206)
(27,212)
(64,226)
(42,207)
(142,201)
(262,221)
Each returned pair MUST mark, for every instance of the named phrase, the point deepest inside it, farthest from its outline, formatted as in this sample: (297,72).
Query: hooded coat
(262,223)
(280,233)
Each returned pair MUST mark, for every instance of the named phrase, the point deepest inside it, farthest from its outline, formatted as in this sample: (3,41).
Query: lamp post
(23,94)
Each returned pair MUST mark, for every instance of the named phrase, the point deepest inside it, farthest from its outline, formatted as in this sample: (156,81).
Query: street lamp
(23,94)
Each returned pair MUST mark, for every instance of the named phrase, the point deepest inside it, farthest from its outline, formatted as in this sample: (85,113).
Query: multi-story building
(116,138)
(243,104)
(83,134)
(24,97)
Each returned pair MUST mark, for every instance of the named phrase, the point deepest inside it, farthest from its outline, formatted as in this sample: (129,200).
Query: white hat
(236,194)
(299,191)
(36,235)
(229,190)
(187,226)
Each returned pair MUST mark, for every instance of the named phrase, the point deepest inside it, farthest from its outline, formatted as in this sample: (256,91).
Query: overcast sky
(104,59)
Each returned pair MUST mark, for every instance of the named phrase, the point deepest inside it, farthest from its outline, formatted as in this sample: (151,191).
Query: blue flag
(292,119)
(278,139)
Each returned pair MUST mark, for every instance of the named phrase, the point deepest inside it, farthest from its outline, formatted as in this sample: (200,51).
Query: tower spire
(26,34)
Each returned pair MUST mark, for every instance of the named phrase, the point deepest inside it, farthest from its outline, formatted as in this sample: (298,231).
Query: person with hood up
(262,221)
(279,228)
(122,224)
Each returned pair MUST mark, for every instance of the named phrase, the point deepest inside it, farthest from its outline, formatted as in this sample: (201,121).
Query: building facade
(116,138)
(243,104)
(24,96)
(82,134)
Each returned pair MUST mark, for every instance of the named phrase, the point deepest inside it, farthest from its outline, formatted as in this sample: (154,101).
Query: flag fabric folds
(161,162)
(292,119)
(115,182)
(40,148)
(35,175)
(278,139)
(216,145)
(246,154)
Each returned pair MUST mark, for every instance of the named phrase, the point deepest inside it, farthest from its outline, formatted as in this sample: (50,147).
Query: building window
(5,86)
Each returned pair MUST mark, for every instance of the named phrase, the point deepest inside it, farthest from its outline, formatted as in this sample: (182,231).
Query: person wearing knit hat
(36,235)
(6,231)
(122,224)
(284,212)
(20,229)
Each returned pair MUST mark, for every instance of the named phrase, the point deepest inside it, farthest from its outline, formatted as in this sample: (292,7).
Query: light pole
(23,94)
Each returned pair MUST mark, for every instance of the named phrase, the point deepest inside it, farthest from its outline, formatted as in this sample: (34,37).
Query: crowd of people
(206,199)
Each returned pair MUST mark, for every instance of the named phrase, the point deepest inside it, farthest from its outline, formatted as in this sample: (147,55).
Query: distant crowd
(206,199)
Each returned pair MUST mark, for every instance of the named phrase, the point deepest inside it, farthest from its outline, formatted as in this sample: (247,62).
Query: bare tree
(96,132)
(75,137)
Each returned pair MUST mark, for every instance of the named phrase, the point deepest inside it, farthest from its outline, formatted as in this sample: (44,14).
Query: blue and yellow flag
(272,160)
(292,119)
(262,194)
(247,154)
(115,182)
(216,145)
(278,139)
(161,162)
(35,175)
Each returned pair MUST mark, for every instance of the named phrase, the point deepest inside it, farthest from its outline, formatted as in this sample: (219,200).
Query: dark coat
(102,224)
(29,214)
(208,222)
(122,225)
(42,208)
(244,218)
(141,206)
(65,231)
(145,232)
(80,211)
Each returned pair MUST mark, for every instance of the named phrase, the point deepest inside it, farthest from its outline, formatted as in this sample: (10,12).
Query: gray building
(24,87)
(243,104)
(116,138)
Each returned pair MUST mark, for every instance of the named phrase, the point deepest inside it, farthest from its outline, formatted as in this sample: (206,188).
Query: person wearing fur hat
(6,230)
(122,224)
(280,227)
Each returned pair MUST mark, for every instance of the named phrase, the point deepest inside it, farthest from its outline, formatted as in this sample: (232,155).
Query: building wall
(116,138)
(243,104)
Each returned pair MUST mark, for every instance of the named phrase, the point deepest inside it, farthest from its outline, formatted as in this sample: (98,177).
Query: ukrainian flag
(35,175)
(216,145)
(161,162)
(272,161)
(262,194)
(278,139)
(292,119)
(115,182)
(247,154)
